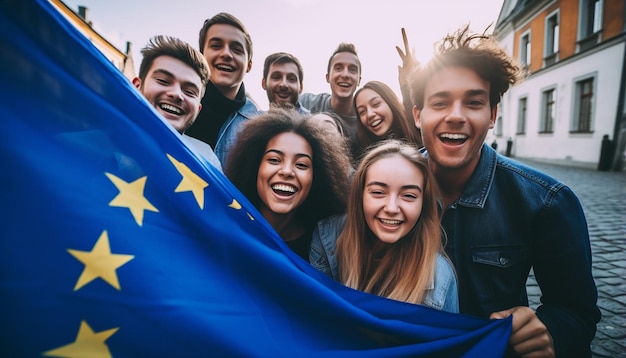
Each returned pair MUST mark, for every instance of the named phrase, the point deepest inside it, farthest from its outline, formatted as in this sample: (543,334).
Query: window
(590,23)
(584,106)
(552,39)
(521,115)
(498,129)
(548,111)
(525,49)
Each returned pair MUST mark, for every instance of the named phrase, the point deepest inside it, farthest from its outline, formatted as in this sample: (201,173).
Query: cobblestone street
(603,197)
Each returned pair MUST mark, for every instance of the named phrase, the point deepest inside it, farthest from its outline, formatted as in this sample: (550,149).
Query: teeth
(376,122)
(453,136)
(282,187)
(224,68)
(170,108)
(344,84)
(391,222)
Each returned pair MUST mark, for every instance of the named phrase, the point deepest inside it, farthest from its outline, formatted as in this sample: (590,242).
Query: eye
(410,196)
(162,81)
(238,50)
(476,103)
(191,94)
(292,79)
(302,165)
(376,193)
(438,104)
(273,160)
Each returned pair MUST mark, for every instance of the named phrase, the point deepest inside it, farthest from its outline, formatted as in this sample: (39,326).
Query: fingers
(406,41)
(400,52)
(529,336)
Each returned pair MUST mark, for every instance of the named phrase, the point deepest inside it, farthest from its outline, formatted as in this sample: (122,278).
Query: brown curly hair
(478,52)
(331,161)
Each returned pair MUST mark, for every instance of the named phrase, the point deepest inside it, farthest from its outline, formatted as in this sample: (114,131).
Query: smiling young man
(503,218)
(172,76)
(282,81)
(344,75)
(227,48)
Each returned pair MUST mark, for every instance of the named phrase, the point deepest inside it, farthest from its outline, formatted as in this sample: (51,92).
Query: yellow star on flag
(100,262)
(235,205)
(131,197)
(190,182)
(87,344)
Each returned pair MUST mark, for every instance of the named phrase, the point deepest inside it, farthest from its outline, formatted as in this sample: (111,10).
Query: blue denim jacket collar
(477,188)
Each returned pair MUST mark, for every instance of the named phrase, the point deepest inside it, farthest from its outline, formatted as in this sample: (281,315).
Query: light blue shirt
(442,295)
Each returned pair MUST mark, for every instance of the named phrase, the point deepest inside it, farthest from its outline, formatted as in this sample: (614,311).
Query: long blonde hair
(405,269)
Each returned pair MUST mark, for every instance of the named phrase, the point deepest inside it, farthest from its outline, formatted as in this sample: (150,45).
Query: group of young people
(399,198)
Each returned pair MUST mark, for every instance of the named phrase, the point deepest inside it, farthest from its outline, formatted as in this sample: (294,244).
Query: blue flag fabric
(116,240)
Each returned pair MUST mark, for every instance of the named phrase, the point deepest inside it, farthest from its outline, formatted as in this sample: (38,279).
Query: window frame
(545,126)
(579,124)
(522,115)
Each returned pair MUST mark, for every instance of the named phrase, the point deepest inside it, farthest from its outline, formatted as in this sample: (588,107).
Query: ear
(249,66)
(327,81)
(137,82)
(263,84)
(199,108)
(301,87)
(417,118)
(494,114)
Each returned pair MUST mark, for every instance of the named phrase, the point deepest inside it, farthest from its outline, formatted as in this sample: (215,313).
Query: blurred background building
(570,106)
(122,60)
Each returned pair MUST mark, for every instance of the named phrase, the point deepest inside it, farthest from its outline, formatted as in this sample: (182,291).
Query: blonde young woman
(389,242)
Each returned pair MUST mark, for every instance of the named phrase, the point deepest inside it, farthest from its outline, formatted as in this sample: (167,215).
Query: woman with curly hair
(381,116)
(390,241)
(294,170)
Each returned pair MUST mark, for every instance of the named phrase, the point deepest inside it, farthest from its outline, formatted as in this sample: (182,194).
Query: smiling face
(455,119)
(173,88)
(282,84)
(374,113)
(225,51)
(344,75)
(285,175)
(392,198)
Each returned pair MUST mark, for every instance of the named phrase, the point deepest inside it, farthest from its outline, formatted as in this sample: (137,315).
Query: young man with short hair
(503,218)
(344,75)
(282,80)
(172,77)
(227,48)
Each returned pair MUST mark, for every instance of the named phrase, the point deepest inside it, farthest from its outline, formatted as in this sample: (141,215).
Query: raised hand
(409,62)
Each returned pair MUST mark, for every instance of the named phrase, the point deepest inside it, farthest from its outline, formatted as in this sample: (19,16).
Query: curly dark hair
(478,52)
(331,161)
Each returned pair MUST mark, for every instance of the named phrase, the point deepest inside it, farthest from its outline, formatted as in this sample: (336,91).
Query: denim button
(504,261)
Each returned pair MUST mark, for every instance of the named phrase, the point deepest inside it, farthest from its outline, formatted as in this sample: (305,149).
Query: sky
(308,29)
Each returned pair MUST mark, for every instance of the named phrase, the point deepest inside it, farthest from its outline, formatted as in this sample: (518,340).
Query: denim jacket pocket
(499,256)
(500,273)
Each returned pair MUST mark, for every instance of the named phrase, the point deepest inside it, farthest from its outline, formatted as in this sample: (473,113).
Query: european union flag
(116,240)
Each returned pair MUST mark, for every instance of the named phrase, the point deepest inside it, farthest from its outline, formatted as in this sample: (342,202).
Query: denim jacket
(511,218)
(442,295)
(228,133)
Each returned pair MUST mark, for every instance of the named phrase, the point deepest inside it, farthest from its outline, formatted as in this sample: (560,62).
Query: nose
(456,112)
(226,52)
(176,91)
(370,112)
(283,82)
(286,170)
(391,206)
